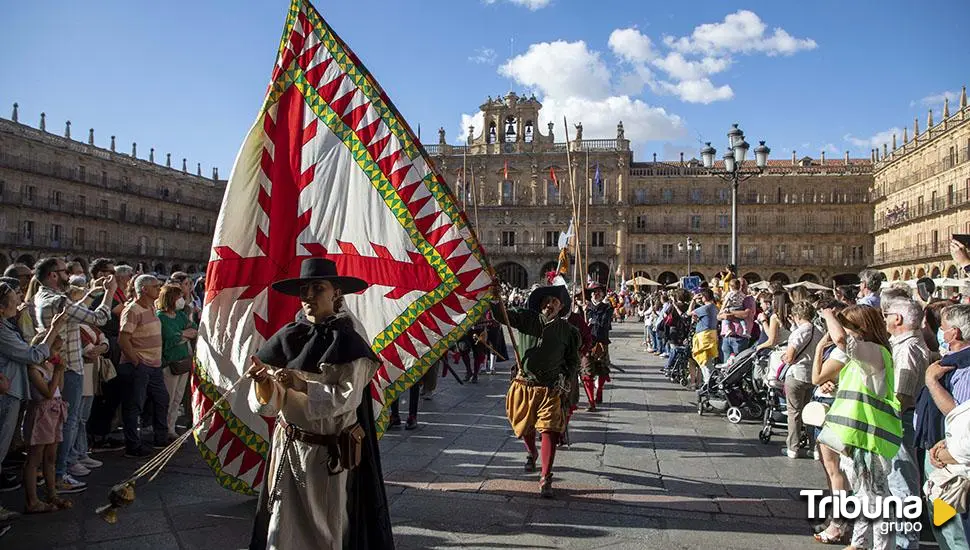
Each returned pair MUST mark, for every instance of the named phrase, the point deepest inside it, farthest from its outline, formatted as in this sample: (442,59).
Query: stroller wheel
(754,410)
(683,382)
(734,415)
(765,435)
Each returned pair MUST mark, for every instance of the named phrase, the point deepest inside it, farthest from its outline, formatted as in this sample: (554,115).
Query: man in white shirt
(903,319)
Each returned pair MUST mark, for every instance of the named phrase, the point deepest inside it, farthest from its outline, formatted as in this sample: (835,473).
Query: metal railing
(906,213)
(923,172)
(72,173)
(76,208)
(69,244)
(680,197)
(682,226)
(679,258)
(919,252)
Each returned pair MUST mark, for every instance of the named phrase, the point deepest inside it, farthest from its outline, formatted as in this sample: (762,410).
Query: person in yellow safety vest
(864,422)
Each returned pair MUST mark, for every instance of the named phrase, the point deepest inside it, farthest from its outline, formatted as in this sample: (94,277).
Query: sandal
(39,508)
(61,503)
(825,538)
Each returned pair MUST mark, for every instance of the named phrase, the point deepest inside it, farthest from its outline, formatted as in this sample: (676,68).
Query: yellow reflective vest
(863,419)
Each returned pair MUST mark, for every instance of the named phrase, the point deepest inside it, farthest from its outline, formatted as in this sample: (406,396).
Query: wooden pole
(589,198)
(464,179)
(572,188)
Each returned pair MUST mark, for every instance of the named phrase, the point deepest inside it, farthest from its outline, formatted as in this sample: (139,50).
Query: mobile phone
(962,238)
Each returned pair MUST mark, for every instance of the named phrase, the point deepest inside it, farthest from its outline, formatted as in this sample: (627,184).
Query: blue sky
(188,77)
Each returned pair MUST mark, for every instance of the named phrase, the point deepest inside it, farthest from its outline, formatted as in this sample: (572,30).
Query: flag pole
(586,232)
(464,178)
(572,180)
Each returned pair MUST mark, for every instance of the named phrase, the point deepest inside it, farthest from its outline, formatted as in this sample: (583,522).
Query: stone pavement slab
(645,471)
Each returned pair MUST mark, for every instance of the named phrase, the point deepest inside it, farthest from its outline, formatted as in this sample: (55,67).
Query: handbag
(182,366)
(949,484)
(104,371)
(814,413)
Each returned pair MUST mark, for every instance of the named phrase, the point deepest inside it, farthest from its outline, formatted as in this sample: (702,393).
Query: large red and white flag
(330,168)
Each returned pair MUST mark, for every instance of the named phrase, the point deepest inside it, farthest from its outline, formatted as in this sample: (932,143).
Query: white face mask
(180,303)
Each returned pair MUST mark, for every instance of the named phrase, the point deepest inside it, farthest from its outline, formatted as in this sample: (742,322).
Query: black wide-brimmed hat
(319,269)
(556,291)
(593,286)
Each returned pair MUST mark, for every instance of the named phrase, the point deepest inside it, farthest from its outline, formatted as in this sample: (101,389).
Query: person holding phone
(49,300)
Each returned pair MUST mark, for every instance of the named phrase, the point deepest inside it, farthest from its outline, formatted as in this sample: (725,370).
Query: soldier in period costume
(549,349)
(595,366)
(324,487)
(576,318)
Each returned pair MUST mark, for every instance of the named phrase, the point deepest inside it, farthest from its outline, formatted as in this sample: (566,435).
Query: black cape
(303,346)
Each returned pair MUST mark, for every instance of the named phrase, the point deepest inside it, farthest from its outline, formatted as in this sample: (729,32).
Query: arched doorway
(780,277)
(641,274)
(159,268)
(952,272)
(698,274)
(846,279)
(667,278)
(808,277)
(935,274)
(896,275)
(546,268)
(513,274)
(176,267)
(599,272)
(752,277)
(908,275)
(920,273)
(26,259)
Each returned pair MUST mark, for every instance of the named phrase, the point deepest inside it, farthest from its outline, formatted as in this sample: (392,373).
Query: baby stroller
(677,369)
(731,390)
(776,408)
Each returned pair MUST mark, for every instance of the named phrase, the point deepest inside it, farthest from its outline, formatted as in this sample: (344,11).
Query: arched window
(491,137)
(510,123)
(528,131)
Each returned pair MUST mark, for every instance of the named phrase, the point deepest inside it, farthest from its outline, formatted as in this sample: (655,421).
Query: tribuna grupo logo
(898,514)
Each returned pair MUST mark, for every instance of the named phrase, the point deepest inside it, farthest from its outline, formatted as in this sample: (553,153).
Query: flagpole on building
(589,197)
(464,178)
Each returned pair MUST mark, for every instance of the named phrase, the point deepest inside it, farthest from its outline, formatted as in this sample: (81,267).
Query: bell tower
(511,125)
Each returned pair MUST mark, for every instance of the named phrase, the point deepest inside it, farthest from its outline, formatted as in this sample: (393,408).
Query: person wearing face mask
(178,332)
(549,350)
(947,386)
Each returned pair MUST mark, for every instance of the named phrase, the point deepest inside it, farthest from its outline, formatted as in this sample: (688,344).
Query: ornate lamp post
(689,247)
(735,172)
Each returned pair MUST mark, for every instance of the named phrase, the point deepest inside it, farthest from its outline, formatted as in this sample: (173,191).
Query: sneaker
(816,455)
(78,470)
(7,515)
(105,445)
(395,421)
(789,454)
(9,482)
(68,485)
(90,463)
(411,424)
(140,452)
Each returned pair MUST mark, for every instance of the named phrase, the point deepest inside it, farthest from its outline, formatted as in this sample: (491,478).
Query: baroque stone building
(804,219)
(921,192)
(62,197)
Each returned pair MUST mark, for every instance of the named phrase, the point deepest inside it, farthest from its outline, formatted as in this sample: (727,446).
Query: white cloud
(876,140)
(697,91)
(740,32)
(641,121)
(560,69)
(630,45)
(477,120)
(936,100)
(483,56)
(532,5)
(678,67)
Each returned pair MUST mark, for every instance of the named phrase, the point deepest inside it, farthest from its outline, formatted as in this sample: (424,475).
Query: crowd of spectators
(86,350)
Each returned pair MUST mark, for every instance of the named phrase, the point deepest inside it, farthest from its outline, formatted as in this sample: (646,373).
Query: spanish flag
(552,174)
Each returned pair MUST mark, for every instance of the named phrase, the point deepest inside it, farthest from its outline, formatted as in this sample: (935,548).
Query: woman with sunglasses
(15,355)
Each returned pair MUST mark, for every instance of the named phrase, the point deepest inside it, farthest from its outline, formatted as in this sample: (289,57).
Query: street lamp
(691,246)
(734,172)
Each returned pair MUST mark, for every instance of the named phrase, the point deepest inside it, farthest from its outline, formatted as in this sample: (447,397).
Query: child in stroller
(731,389)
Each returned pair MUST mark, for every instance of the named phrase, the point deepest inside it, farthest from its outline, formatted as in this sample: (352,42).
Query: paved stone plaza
(644,472)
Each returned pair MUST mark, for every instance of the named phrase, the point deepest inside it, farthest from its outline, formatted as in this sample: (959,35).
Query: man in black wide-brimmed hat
(549,348)
(595,366)
(314,376)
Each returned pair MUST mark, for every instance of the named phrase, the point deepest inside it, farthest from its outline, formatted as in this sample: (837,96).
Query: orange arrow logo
(942,512)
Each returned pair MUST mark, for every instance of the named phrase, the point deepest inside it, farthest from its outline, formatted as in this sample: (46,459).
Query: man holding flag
(331,188)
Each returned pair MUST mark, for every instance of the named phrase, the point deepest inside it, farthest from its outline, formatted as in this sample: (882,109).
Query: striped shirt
(146,335)
(45,302)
